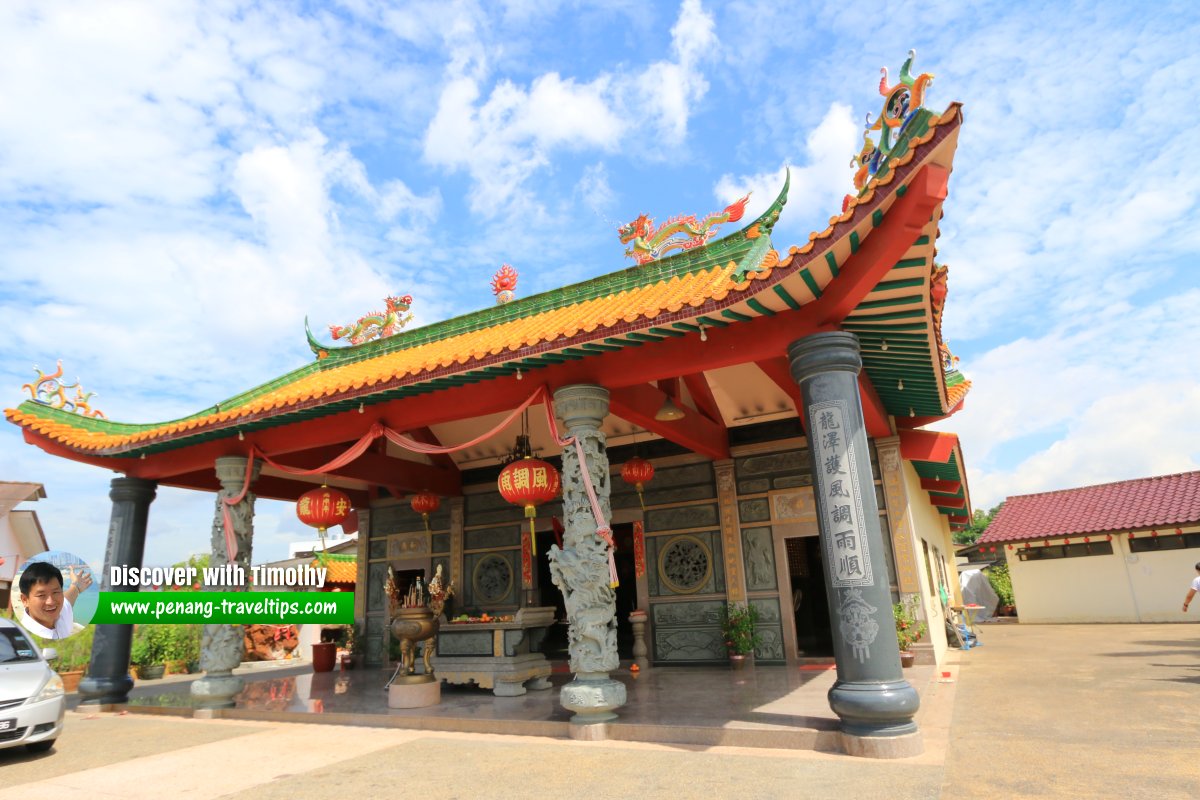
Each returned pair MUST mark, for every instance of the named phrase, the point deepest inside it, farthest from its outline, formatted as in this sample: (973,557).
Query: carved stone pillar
(580,568)
(638,620)
(108,678)
(221,645)
(731,530)
(457,521)
(896,497)
(874,701)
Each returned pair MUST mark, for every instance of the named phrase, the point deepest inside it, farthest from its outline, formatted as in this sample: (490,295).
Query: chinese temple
(735,419)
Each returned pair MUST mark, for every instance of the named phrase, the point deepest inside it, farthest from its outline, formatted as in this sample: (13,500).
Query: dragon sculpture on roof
(50,390)
(377,324)
(901,101)
(651,243)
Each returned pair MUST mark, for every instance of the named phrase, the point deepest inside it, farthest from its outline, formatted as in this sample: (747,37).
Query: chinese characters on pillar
(838,495)
(639,549)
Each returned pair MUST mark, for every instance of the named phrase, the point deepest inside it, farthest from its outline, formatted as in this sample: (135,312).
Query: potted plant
(739,633)
(909,629)
(148,650)
(1001,581)
(356,644)
(74,653)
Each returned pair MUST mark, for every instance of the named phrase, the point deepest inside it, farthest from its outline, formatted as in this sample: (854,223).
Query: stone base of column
(105,691)
(588,732)
(875,710)
(593,696)
(905,746)
(216,690)
(415,693)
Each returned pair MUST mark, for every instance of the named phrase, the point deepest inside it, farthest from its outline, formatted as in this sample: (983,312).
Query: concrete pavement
(1039,711)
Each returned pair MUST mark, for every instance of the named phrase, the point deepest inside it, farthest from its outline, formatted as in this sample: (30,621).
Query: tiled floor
(765,705)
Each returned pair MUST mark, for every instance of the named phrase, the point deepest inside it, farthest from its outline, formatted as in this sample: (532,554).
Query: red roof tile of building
(1167,500)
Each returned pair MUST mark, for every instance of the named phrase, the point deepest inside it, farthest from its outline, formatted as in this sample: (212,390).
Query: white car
(32,701)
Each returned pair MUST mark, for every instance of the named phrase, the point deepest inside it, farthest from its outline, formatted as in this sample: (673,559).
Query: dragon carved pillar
(580,568)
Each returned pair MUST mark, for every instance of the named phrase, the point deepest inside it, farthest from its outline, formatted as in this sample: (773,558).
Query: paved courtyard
(1038,711)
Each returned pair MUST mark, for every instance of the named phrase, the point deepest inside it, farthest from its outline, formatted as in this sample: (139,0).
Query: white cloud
(502,139)
(820,177)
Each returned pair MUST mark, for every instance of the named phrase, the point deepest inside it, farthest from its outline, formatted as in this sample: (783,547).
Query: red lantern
(1153,534)
(426,503)
(323,508)
(638,472)
(529,482)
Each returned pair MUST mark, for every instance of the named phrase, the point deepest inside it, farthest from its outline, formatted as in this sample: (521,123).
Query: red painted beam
(874,414)
(927,446)
(269,487)
(945,487)
(702,396)
(886,245)
(407,476)
(638,404)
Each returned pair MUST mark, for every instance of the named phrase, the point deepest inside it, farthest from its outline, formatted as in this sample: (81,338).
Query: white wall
(933,528)
(1122,587)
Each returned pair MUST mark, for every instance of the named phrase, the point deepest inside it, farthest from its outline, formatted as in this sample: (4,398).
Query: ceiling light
(669,411)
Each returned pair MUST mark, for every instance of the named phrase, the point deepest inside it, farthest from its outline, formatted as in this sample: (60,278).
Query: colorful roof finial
(49,390)
(377,324)
(901,101)
(683,233)
(504,284)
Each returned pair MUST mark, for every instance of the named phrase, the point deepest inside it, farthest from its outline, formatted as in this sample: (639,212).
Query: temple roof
(1143,503)
(731,282)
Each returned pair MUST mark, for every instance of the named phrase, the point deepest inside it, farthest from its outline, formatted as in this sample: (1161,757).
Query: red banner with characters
(526,561)
(639,549)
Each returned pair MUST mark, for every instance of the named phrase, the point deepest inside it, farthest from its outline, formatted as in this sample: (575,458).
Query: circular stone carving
(492,579)
(685,564)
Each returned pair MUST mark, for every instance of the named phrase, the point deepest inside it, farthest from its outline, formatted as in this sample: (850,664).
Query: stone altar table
(501,656)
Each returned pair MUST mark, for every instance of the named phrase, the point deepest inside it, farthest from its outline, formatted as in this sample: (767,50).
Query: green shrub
(1001,582)
(737,628)
(151,645)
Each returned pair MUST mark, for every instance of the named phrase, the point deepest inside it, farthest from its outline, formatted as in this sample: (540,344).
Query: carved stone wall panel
(689,645)
(758,551)
(465,643)
(655,496)
(770,645)
(686,475)
(689,563)
(768,610)
(400,518)
(484,501)
(668,519)
(788,461)
(376,624)
(755,510)
(440,543)
(408,545)
(376,578)
(488,538)
(791,481)
(794,506)
(753,486)
(507,514)
(698,613)
(377,548)
(490,580)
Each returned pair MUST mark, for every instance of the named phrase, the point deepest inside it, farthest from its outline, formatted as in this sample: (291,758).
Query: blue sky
(182,183)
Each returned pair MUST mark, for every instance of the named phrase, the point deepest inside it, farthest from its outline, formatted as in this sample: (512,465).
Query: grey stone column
(221,645)
(580,568)
(108,678)
(870,696)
